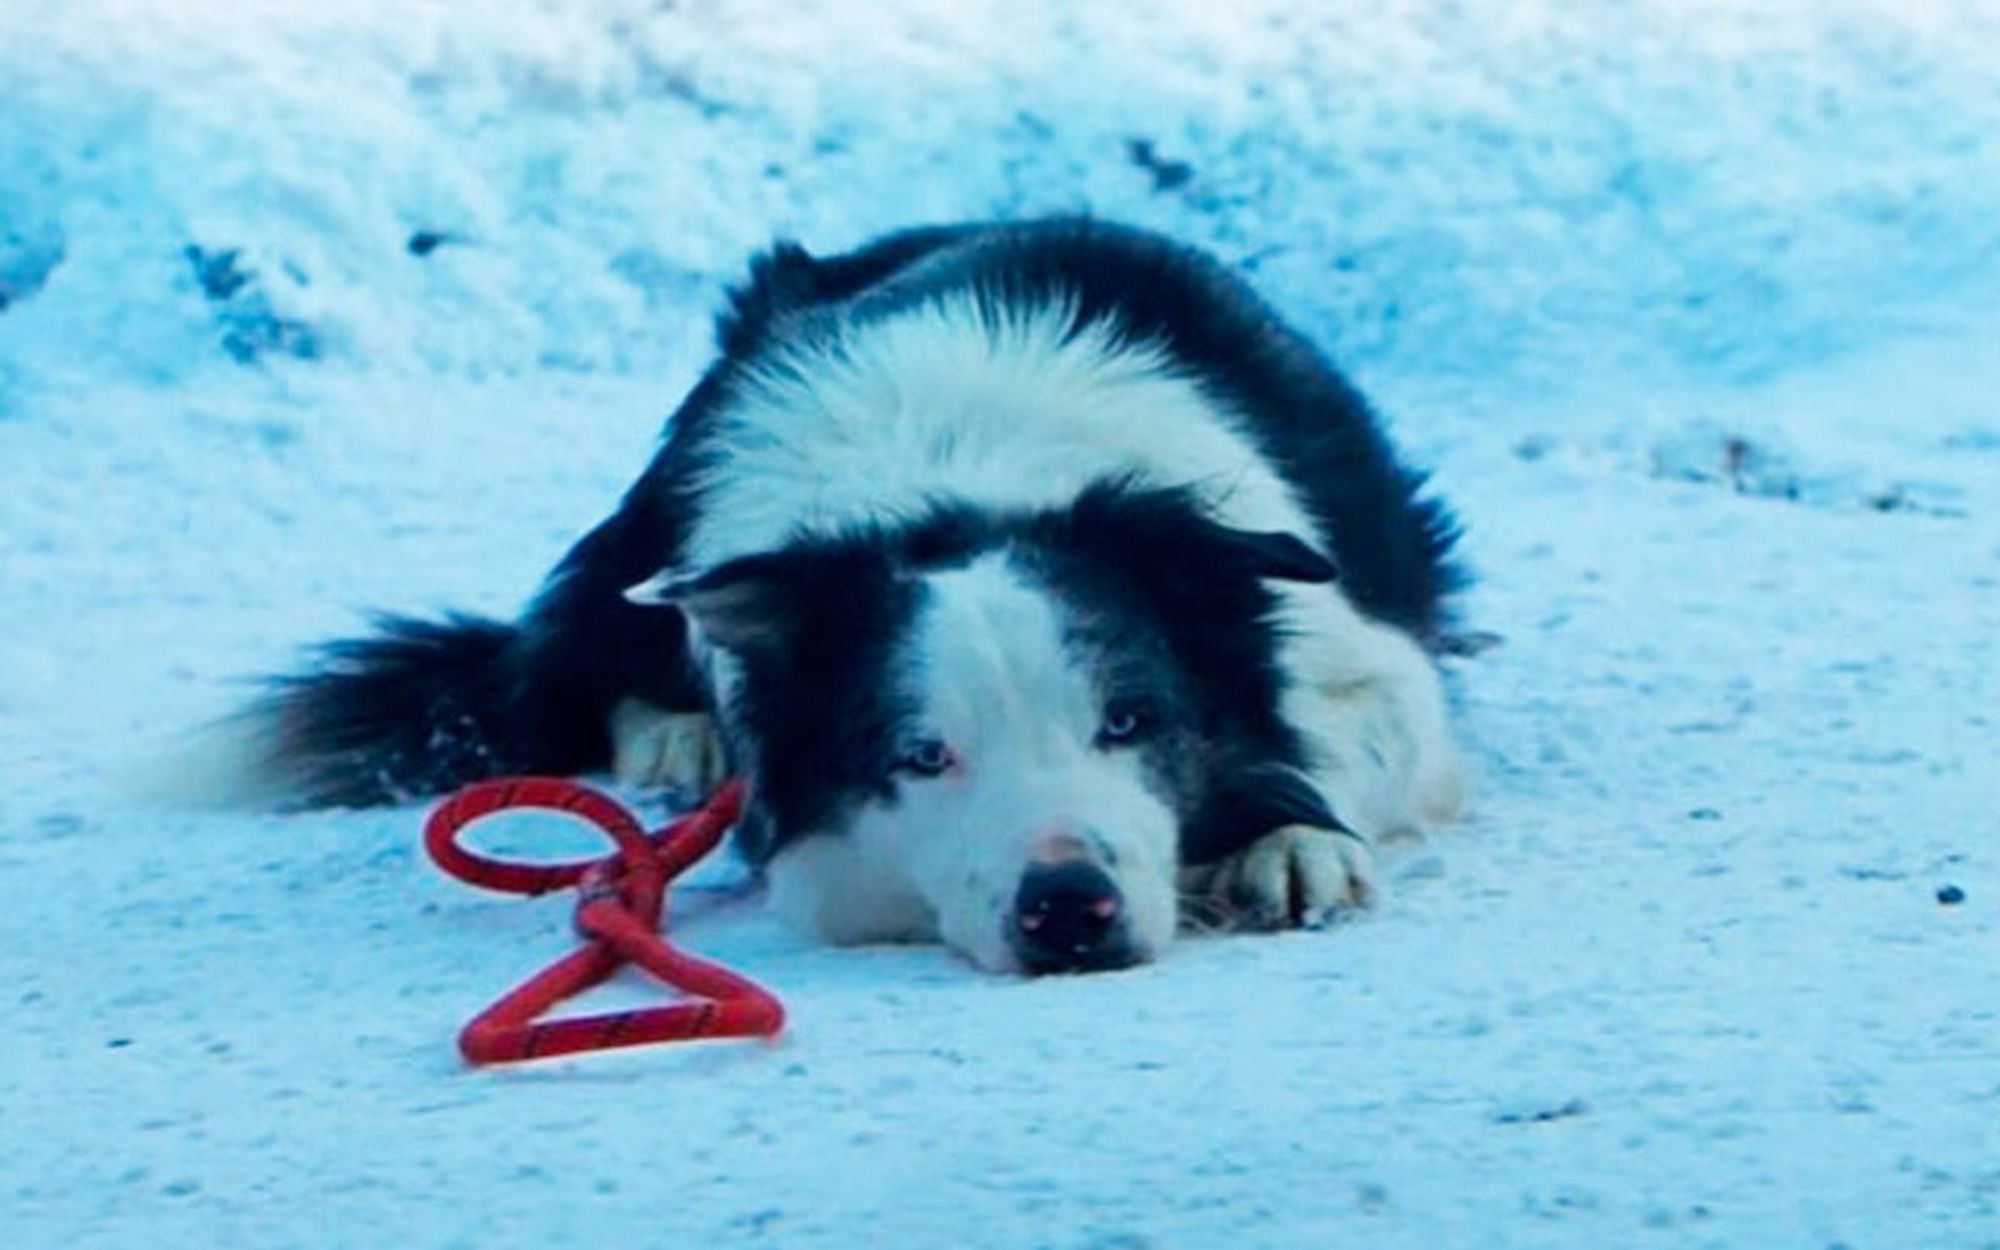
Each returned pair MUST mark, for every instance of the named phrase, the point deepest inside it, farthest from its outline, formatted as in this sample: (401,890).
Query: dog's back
(1392,545)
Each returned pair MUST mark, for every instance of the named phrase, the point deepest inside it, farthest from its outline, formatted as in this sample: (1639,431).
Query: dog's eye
(1126,721)
(929,758)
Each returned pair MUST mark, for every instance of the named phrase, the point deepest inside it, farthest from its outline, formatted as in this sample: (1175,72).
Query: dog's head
(1017,726)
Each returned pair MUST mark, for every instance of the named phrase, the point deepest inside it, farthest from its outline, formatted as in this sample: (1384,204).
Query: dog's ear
(1274,555)
(743,605)
(1171,536)
(765,604)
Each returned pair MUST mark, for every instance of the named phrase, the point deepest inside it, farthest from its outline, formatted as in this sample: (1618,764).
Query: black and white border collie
(1049,591)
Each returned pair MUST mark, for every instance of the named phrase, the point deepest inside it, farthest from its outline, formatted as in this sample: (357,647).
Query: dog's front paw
(1295,877)
(653,747)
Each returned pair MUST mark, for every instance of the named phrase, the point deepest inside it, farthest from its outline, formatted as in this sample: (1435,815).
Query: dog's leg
(1370,710)
(653,747)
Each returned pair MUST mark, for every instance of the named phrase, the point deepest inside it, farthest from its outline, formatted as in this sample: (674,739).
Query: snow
(1691,305)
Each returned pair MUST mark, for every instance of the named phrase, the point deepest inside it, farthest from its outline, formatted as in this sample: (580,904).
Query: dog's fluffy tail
(420,707)
(424,706)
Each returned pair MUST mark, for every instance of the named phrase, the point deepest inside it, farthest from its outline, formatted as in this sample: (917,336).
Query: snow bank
(525,186)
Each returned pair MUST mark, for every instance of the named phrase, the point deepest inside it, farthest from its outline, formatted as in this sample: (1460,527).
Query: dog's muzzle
(1069,917)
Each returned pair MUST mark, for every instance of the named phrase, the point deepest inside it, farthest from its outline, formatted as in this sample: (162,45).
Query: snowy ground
(1692,306)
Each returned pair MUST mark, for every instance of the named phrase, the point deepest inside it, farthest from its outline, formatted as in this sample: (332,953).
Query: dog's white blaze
(1021,718)
(967,399)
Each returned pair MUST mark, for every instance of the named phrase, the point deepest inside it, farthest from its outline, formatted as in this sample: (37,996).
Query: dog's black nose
(1069,917)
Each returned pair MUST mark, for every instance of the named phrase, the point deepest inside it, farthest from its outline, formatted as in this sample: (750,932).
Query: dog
(1049,591)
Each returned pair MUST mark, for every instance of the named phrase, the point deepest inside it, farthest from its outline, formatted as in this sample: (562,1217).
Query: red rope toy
(620,903)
